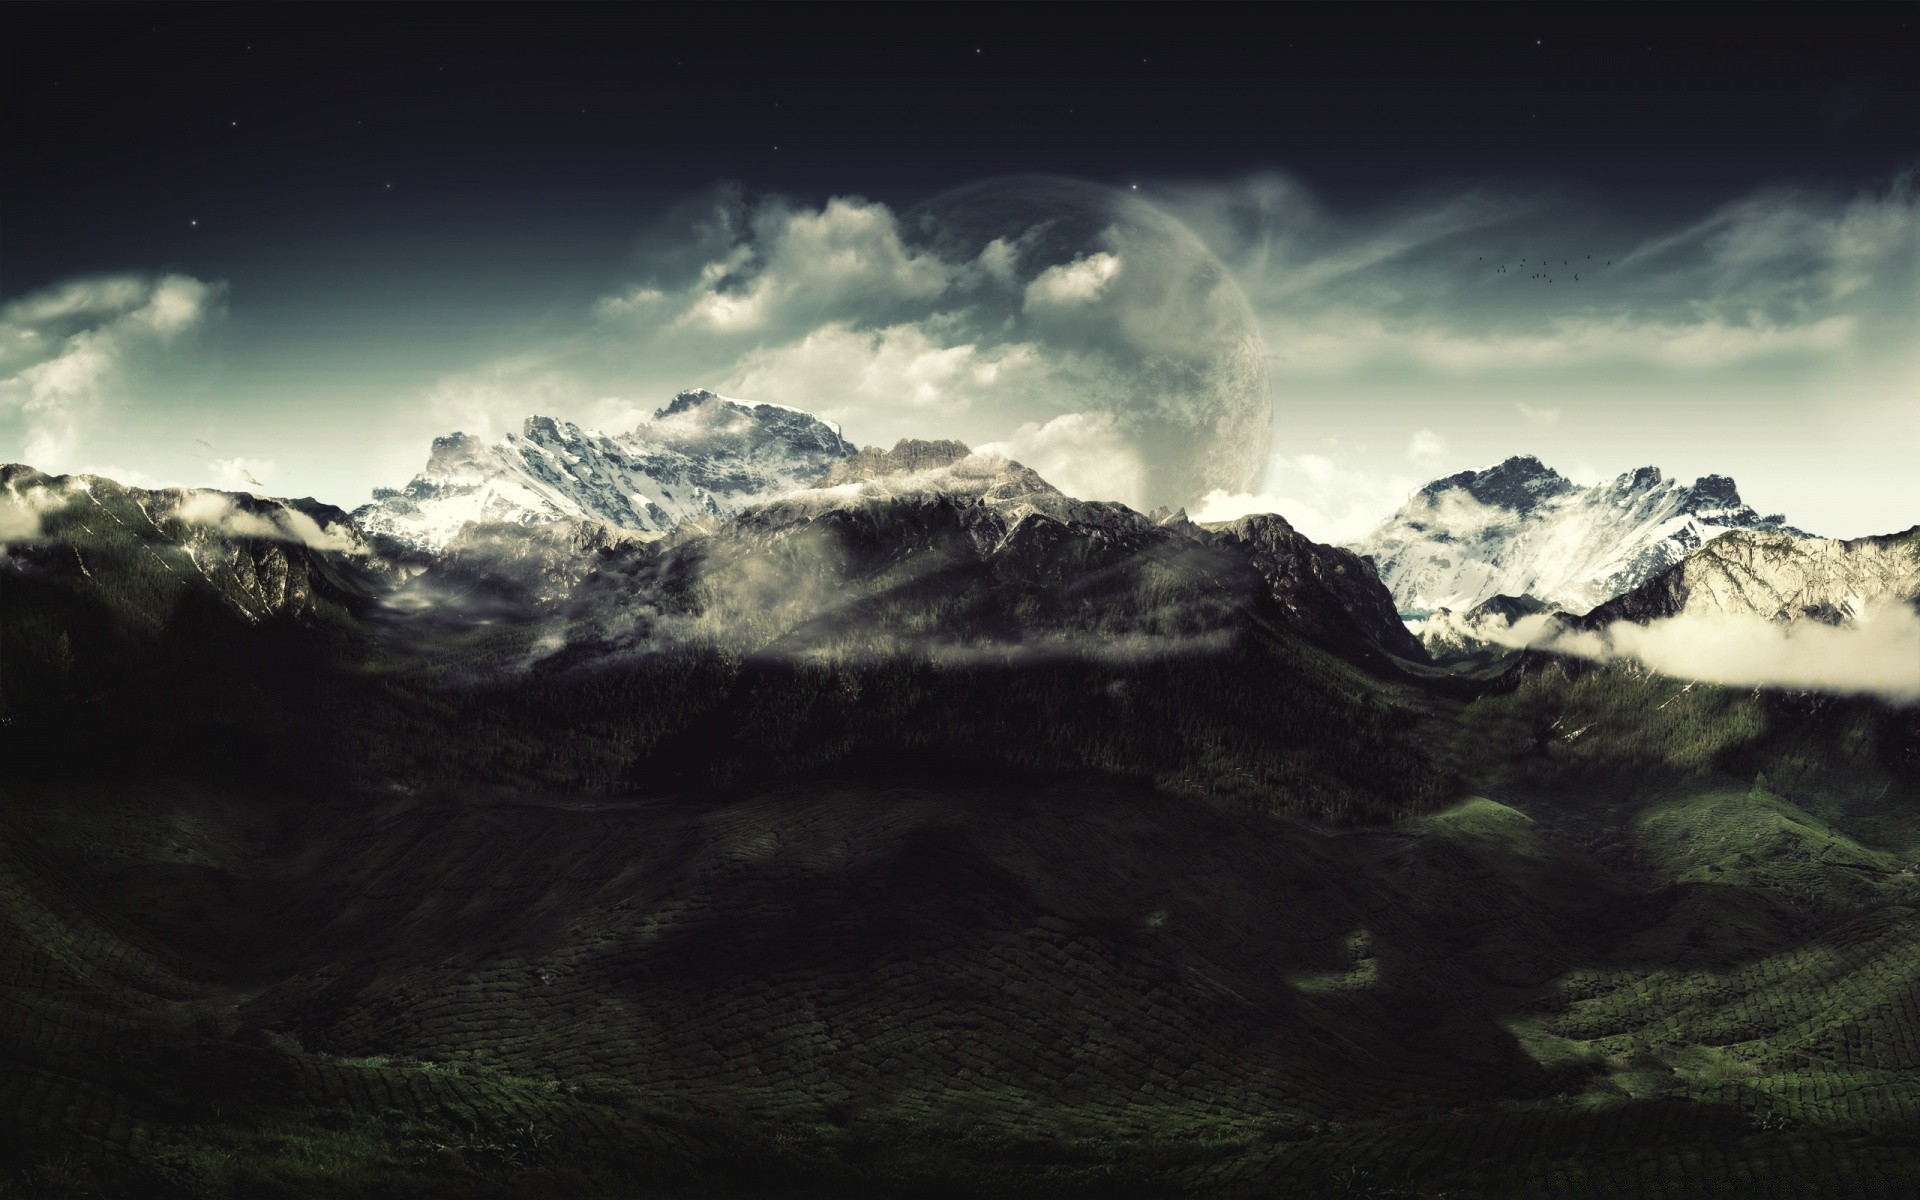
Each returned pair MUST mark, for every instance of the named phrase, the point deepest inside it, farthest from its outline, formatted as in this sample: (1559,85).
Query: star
(194,224)
(234,124)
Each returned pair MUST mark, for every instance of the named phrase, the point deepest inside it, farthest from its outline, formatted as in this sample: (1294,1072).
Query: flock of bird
(1545,265)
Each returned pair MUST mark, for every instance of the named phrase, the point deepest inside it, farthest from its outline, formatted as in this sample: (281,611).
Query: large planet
(1141,326)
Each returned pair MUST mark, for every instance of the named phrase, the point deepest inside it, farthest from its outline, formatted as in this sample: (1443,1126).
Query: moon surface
(1141,323)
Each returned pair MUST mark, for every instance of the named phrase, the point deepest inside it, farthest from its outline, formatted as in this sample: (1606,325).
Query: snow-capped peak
(1519,528)
(703,454)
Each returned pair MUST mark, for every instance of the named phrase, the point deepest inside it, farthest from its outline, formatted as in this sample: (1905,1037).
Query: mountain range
(702,455)
(1520,528)
(887,822)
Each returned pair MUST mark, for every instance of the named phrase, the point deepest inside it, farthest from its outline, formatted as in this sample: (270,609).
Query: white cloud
(1539,418)
(21,511)
(1778,273)
(68,343)
(635,303)
(1426,447)
(1000,259)
(1067,285)
(943,327)
(1290,248)
(1878,654)
(1084,454)
(785,262)
(498,397)
(219,512)
(1336,343)
(250,473)
(1328,500)
(839,370)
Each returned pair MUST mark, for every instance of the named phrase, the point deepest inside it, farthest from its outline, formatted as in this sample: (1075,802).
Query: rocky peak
(1715,492)
(1519,483)
(1521,529)
(1334,595)
(908,456)
(454,452)
(547,430)
(701,455)
(686,401)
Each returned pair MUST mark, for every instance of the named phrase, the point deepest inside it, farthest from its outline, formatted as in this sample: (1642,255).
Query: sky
(280,248)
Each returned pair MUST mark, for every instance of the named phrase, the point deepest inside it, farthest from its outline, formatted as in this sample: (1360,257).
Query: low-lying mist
(1876,654)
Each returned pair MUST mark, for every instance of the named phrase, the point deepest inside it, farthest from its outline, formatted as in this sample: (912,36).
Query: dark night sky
(294,242)
(125,123)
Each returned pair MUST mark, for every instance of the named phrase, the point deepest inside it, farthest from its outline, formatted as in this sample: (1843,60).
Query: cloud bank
(64,346)
(212,510)
(1035,313)
(1878,654)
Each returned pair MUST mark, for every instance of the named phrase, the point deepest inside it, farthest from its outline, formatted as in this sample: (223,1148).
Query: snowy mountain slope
(1778,578)
(702,455)
(1521,529)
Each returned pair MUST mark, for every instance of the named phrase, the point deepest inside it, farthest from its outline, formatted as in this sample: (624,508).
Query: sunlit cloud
(66,345)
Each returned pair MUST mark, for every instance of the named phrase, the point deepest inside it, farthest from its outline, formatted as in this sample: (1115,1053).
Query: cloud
(1426,447)
(1067,285)
(21,511)
(1539,418)
(1342,341)
(634,303)
(249,472)
(1776,273)
(64,345)
(498,397)
(915,365)
(783,262)
(1876,654)
(1326,499)
(1011,309)
(1288,247)
(216,511)
(1083,454)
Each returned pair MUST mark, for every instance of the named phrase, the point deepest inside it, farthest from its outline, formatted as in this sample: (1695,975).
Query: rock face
(1522,529)
(997,502)
(1779,578)
(1334,595)
(1449,635)
(908,456)
(702,455)
(935,549)
(927,547)
(261,559)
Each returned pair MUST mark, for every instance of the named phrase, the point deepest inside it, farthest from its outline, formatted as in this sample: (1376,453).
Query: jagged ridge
(1521,529)
(703,455)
